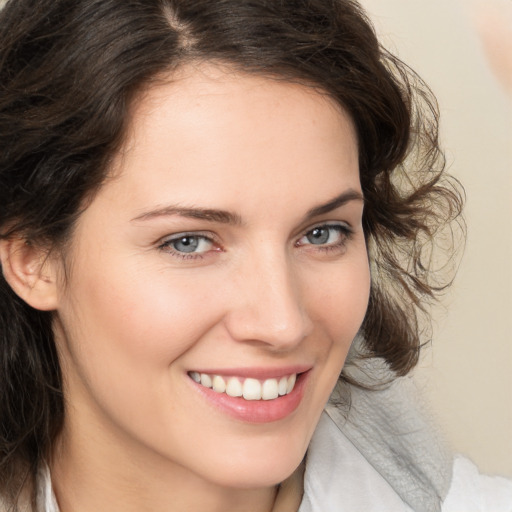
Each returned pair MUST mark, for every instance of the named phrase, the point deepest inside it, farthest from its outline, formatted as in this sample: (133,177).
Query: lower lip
(256,411)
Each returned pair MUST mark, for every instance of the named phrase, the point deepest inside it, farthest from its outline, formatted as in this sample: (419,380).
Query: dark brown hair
(69,70)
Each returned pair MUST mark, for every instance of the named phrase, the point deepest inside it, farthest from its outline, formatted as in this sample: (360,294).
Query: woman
(187,259)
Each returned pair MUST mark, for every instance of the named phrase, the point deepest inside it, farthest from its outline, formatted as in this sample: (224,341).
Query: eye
(327,236)
(188,245)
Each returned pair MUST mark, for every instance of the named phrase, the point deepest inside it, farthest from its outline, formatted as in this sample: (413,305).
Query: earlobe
(30,272)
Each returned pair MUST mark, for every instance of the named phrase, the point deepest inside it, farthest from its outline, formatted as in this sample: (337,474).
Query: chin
(251,477)
(264,468)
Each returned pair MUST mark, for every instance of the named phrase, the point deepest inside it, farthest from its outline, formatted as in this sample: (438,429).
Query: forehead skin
(210,99)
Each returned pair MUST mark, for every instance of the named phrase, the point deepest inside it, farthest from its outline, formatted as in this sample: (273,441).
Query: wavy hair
(69,71)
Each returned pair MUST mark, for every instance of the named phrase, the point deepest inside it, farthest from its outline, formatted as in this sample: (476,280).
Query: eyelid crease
(188,234)
(338,226)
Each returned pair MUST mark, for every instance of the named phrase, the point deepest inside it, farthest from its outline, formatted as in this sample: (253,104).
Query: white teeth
(283,386)
(269,389)
(206,380)
(234,387)
(250,389)
(291,382)
(219,384)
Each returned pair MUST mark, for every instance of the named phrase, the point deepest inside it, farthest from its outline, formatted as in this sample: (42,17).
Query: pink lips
(256,411)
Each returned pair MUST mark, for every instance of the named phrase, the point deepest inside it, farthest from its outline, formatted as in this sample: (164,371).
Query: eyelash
(166,245)
(343,231)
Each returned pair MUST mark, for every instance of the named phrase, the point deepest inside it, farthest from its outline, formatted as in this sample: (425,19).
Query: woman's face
(227,248)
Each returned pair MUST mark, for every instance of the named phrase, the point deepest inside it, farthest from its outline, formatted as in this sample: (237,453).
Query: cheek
(125,331)
(341,301)
(131,317)
(339,308)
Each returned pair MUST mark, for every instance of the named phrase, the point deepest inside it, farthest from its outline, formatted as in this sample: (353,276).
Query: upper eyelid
(182,234)
(341,225)
(332,223)
(328,223)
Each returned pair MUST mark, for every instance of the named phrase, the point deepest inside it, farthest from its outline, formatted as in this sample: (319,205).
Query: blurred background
(463,49)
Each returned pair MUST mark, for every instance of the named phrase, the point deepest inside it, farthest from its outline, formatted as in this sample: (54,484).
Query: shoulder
(474,492)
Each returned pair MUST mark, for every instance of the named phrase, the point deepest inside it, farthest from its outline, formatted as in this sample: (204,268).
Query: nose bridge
(269,306)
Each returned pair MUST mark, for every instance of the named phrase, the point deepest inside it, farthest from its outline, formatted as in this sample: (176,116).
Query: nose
(267,304)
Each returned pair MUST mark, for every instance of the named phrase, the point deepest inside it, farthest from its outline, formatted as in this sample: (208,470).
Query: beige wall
(467,373)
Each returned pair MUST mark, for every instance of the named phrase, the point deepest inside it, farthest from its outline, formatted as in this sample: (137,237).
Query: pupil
(186,244)
(319,236)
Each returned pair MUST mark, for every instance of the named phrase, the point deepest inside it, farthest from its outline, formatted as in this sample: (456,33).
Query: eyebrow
(227,217)
(211,215)
(333,204)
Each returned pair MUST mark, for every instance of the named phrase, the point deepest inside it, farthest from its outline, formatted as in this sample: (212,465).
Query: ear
(30,272)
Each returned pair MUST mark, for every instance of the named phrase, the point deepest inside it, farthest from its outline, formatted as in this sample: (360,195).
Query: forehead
(207,129)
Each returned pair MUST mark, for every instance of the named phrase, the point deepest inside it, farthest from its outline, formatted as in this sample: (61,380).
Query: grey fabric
(338,478)
(391,429)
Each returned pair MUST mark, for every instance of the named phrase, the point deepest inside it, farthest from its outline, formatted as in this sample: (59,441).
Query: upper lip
(261,373)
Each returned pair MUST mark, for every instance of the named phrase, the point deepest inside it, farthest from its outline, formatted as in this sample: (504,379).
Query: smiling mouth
(247,388)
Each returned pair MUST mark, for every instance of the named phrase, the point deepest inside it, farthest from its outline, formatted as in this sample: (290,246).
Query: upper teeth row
(250,389)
